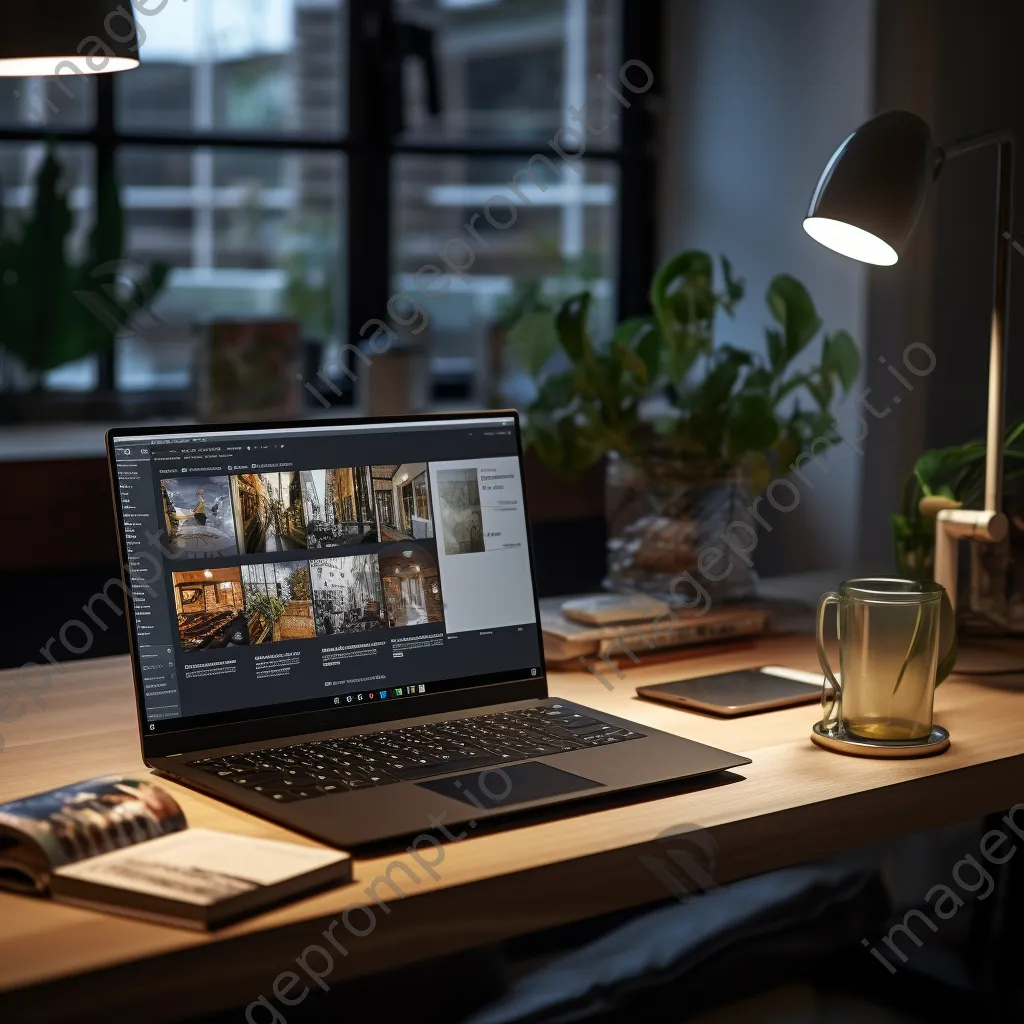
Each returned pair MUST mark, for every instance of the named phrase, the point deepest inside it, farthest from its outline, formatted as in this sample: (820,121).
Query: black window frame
(373,140)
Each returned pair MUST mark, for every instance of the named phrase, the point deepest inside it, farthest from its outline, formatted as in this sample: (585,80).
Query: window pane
(249,234)
(23,295)
(509,70)
(238,65)
(560,237)
(67,101)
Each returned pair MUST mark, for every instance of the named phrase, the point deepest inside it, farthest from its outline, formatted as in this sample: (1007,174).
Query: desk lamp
(865,206)
(92,36)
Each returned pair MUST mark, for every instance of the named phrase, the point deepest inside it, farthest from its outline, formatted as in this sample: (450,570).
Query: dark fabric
(711,949)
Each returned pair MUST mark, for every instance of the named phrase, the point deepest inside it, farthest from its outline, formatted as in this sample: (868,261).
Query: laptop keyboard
(307,770)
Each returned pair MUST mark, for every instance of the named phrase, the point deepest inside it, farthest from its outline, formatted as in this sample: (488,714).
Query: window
(314,159)
(419,486)
(408,507)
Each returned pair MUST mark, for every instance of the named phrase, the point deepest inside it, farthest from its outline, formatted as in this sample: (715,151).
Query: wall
(758,95)
(979,48)
(900,297)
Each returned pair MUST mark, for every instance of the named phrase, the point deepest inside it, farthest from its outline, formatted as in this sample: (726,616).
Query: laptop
(334,625)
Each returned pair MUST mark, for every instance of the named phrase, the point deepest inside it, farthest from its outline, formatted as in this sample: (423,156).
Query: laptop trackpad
(506,787)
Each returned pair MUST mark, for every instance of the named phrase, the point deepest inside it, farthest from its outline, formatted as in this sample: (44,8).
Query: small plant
(661,384)
(298,585)
(954,474)
(55,311)
(269,608)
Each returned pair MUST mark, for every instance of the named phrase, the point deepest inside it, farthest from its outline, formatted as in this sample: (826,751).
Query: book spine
(640,642)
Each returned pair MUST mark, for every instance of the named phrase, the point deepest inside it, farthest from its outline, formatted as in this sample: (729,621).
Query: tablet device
(739,693)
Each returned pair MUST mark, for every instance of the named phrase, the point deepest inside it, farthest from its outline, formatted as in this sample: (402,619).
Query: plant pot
(662,513)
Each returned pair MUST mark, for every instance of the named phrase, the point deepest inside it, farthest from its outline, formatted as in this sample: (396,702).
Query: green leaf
(649,346)
(637,347)
(936,467)
(1013,434)
(841,356)
(714,391)
(571,323)
(627,359)
(752,426)
(684,303)
(758,381)
(682,288)
(557,391)
(776,349)
(533,340)
(735,287)
(793,310)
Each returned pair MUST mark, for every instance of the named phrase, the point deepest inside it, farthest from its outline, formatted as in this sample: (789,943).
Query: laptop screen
(278,571)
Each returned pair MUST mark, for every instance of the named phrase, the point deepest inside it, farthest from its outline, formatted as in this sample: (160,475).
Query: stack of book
(588,627)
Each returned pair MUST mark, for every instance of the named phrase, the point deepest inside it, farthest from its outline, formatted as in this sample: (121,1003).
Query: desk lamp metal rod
(988,525)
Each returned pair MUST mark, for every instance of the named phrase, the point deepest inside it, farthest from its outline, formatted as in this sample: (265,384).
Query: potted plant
(690,427)
(55,310)
(947,477)
(263,612)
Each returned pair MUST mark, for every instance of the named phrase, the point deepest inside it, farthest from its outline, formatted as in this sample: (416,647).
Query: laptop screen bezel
(281,724)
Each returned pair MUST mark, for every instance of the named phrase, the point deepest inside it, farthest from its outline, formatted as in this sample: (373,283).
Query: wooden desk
(795,803)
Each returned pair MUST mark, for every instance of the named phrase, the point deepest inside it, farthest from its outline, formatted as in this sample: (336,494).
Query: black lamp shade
(871,192)
(93,35)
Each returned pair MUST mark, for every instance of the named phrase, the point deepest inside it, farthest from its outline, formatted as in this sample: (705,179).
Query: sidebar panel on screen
(154,632)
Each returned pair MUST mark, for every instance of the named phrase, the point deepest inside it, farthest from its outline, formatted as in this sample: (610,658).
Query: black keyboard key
(276,786)
(577,721)
(450,767)
(591,730)
(252,781)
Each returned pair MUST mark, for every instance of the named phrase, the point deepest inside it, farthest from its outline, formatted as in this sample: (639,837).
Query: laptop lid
(285,579)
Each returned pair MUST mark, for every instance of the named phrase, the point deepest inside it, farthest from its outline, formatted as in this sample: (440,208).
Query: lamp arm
(968,144)
(989,525)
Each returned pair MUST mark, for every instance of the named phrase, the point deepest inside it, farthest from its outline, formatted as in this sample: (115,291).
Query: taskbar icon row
(386,694)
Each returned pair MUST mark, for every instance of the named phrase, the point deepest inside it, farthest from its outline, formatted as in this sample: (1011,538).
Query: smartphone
(739,693)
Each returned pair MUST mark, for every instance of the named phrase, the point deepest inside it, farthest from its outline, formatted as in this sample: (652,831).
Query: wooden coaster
(843,743)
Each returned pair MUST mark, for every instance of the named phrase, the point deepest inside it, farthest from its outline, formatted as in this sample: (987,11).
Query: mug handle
(947,625)
(833,708)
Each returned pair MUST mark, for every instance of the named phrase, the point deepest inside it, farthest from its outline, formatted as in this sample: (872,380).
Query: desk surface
(794,803)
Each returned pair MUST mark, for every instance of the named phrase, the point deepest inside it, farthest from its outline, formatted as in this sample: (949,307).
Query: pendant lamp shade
(50,37)
(871,192)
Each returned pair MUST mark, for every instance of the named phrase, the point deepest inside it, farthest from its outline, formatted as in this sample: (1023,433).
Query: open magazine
(124,845)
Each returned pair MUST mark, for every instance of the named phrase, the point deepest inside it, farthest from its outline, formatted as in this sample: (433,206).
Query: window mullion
(372,95)
(106,156)
(641,41)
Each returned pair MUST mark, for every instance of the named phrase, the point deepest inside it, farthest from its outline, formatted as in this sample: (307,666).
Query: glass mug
(889,665)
